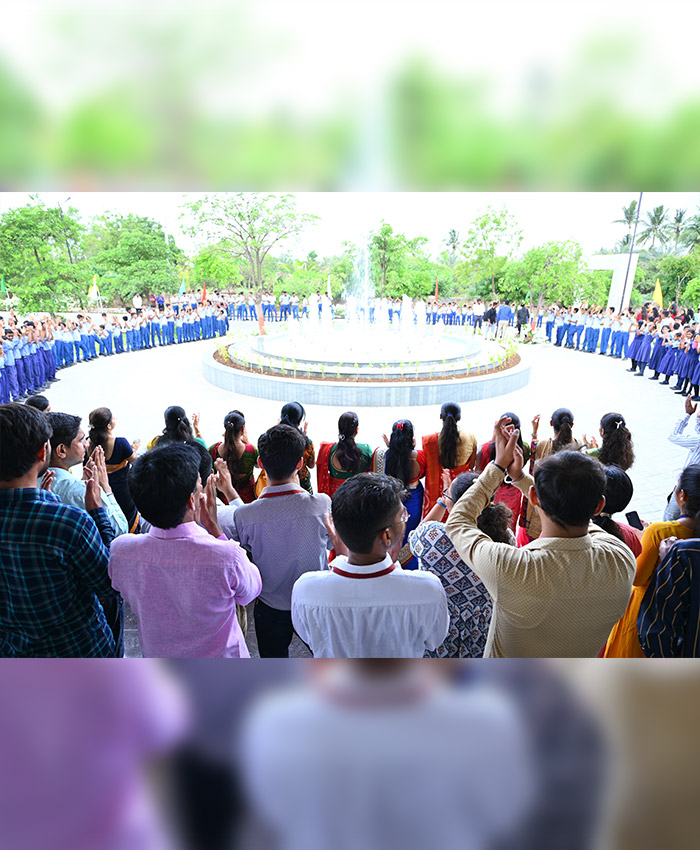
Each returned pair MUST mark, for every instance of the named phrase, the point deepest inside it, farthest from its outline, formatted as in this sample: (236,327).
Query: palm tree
(678,227)
(691,232)
(623,246)
(656,227)
(629,215)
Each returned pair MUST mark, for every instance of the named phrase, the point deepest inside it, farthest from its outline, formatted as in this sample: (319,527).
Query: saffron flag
(437,288)
(94,292)
(658,294)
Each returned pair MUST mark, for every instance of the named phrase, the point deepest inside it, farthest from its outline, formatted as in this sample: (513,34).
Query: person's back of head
(281,448)
(448,439)
(292,414)
(562,422)
(398,456)
(617,446)
(569,486)
(618,494)
(100,419)
(494,520)
(689,483)
(162,481)
(177,426)
(347,454)
(205,461)
(39,402)
(365,506)
(24,431)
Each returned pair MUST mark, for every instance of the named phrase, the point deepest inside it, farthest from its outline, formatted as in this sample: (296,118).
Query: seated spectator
(53,557)
(468,600)
(669,614)
(182,579)
(367,606)
(559,595)
(285,533)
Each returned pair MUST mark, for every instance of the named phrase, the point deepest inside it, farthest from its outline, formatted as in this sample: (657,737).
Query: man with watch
(560,595)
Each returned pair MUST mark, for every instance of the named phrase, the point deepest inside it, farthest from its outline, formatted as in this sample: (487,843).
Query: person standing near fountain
(451,449)
(339,461)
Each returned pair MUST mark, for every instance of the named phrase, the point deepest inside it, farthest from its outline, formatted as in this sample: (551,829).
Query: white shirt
(399,614)
(687,441)
(387,765)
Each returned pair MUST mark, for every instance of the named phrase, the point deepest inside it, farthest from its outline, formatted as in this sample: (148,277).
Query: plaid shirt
(53,563)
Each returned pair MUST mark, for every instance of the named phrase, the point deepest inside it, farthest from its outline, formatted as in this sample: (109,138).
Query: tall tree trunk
(493,286)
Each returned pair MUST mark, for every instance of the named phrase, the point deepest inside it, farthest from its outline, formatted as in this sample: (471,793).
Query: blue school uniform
(686,363)
(657,354)
(644,349)
(668,363)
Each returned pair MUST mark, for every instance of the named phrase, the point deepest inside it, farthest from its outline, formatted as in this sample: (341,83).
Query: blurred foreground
(315,755)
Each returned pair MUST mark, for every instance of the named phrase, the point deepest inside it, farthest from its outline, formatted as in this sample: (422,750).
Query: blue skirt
(644,350)
(634,346)
(669,362)
(657,355)
(686,364)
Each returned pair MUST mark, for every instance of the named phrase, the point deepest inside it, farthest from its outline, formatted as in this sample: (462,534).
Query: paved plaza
(138,386)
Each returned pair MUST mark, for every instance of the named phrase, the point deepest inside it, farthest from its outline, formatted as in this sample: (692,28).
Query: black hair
(618,494)
(494,520)
(562,422)
(363,506)
(38,402)
(234,425)
(23,432)
(398,456)
(347,454)
(162,480)
(65,428)
(515,422)
(294,414)
(569,487)
(281,448)
(689,482)
(448,438)
(617,447)
(177,426)
(205,461)
(99,419)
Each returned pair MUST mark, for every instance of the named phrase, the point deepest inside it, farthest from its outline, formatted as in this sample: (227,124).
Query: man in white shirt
(367,606)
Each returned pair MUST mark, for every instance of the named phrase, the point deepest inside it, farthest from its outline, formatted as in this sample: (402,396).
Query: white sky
(585,217)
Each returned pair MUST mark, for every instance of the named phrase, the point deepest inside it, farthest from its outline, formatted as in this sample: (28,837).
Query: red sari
(433,472)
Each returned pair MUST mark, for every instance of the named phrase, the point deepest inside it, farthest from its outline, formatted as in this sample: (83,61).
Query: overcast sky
(585,217)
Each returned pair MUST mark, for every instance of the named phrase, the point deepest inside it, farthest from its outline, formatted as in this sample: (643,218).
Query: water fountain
(367,360)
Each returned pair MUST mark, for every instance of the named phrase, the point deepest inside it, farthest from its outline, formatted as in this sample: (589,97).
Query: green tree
(656,227)
(386,252)
(547,273)
(678,227)
(675,273)
(453,243)
(629,216)
(216,268)
(247,225)
(132,254)
(492,239)
(41,256)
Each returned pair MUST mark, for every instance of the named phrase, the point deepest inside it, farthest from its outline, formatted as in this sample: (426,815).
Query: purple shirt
(183,585)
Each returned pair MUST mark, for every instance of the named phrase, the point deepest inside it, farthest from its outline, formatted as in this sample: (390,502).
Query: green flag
(3,288)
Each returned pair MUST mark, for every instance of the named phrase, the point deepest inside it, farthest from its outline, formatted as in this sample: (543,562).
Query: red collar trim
(384,572)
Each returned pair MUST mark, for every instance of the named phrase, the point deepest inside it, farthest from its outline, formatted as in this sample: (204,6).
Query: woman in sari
(341,460)
(119,455)
(294,414)
(241,457)
(624,638)
(401,460)
(177,428)
(507,494)
(451,449)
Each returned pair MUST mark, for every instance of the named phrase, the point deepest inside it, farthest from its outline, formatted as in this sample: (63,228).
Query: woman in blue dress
(668,364)
(644,350)
(634,347)
(119,455)
(663,338)
(686,362)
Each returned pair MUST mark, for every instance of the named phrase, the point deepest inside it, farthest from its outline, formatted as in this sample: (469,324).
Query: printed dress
(468,601)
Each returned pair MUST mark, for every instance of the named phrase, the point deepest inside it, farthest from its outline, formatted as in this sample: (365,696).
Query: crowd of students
(456,548)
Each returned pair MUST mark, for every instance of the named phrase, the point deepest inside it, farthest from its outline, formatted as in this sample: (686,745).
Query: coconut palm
(629,216)
(678,227)
(656,227)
